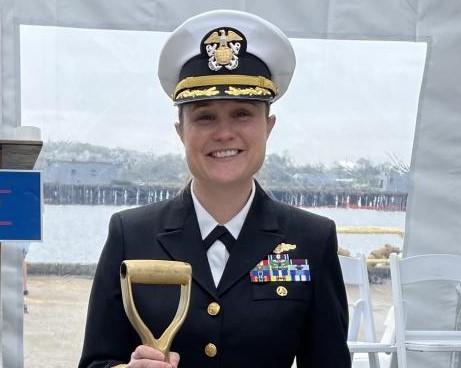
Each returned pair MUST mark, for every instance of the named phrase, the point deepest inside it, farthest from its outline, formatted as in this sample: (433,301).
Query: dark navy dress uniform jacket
(255,326)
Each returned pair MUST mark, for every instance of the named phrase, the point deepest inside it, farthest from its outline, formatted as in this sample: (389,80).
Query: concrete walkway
(54,326)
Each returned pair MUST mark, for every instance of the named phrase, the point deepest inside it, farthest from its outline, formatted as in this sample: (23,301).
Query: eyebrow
(199,104)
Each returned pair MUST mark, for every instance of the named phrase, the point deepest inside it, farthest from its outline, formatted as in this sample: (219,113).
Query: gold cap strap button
(211,350)
(213,309)
(282,291)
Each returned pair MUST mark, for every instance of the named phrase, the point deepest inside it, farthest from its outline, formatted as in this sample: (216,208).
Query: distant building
(315,180)
(394,182)
(321,180)
(81,172)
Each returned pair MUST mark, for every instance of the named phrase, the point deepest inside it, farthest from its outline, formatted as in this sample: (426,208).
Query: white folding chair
(429,267)
(355,273)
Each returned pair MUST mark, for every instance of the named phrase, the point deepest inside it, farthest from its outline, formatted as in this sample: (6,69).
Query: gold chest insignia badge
(284,247)
(223,49)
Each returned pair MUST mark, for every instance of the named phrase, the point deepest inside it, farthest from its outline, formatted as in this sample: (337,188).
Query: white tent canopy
(433,222)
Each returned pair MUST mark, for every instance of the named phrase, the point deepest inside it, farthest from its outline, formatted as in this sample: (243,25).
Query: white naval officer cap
(226,54)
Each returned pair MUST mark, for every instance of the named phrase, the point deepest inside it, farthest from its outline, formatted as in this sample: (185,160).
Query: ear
(270,124)
(179,130)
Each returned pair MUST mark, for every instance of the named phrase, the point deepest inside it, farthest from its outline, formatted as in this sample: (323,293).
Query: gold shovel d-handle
(156,272)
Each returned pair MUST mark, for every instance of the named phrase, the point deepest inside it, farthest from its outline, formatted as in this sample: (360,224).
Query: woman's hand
(147,357)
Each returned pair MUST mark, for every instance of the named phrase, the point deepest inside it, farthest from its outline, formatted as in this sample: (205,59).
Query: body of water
(76,233)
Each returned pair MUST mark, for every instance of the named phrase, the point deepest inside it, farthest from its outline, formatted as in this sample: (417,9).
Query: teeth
(224,153)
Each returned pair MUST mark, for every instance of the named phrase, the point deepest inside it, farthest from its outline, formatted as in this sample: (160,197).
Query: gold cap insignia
(284,247)
(223,49)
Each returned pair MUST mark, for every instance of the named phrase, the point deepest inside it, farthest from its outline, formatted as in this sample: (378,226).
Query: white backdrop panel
(433,220)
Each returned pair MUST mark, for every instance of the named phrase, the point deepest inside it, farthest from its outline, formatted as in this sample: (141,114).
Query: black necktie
(219,232)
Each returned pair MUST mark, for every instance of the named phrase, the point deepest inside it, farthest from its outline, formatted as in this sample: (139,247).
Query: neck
(222,202)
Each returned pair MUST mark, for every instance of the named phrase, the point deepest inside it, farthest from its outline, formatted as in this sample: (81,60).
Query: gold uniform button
(211,350)
(282,291)
(213,309)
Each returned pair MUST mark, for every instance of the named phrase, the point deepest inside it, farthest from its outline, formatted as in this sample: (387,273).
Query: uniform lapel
(260,234)
(183,242)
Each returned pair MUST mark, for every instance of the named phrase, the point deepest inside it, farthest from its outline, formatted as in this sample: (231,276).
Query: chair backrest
(355,273)
(428,267)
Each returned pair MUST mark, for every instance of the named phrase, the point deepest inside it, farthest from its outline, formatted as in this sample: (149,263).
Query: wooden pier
(133,195)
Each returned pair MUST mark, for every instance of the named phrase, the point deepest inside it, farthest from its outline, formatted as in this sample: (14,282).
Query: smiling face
(224,140)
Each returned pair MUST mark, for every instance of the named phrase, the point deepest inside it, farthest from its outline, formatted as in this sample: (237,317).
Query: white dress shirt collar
(207,223)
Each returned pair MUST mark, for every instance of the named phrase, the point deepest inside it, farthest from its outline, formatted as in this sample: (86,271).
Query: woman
(267,285)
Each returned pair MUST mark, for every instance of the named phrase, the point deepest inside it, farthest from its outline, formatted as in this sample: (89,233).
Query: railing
(375,230)
(378,230)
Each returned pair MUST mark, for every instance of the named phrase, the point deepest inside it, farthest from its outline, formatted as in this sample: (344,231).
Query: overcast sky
(347,100)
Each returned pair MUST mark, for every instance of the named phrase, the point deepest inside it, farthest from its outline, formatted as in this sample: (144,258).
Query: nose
(224,130)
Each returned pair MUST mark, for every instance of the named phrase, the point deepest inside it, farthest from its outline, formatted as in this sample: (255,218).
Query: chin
(232,181)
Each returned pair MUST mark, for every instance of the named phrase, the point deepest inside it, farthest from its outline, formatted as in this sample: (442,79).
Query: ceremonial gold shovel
(156,272)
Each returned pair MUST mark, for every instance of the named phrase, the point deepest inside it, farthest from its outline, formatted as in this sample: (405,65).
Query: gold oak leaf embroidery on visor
(254,91)
(213,91)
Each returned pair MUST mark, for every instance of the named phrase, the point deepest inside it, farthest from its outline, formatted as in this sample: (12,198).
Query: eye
(203,117)
(242,114)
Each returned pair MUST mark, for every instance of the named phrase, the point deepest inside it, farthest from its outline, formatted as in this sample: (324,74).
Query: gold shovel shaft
(158,273)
